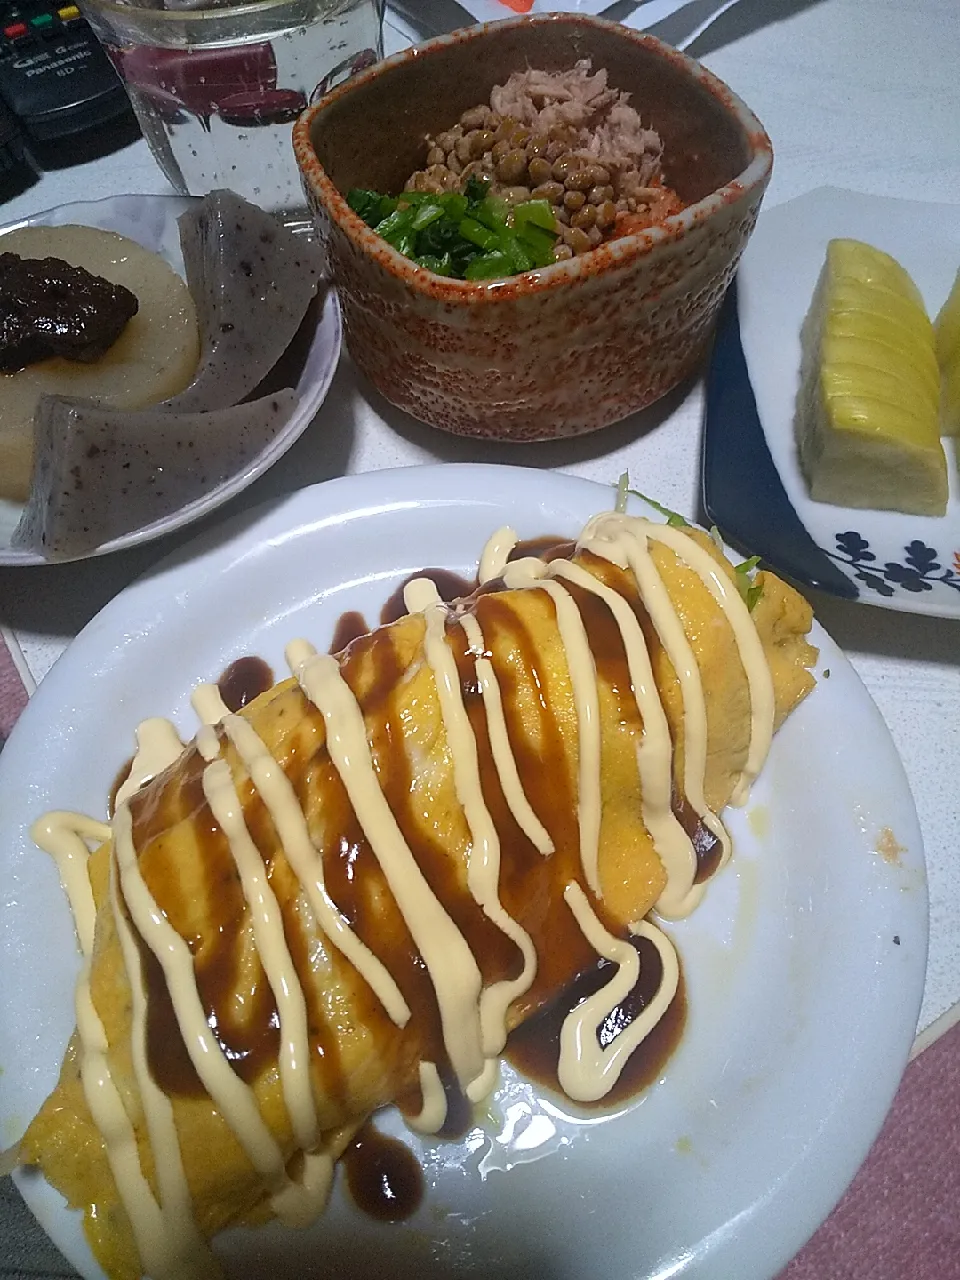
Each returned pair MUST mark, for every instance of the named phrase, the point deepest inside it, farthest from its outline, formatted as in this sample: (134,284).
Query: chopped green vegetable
(396,224)
(492,212)
(673,518)
(468,235)
(623,488)
(538,243)
(426,214)
(535,213)
(454,205)
(489,266)
(371,206)
(478,234)
(475,189)
(439,266)
(750,591)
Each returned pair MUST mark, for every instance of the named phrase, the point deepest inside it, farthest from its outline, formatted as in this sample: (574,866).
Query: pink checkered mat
(900,1220)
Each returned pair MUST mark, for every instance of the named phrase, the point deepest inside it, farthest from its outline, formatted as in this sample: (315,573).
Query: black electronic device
(11,142)
(54,75)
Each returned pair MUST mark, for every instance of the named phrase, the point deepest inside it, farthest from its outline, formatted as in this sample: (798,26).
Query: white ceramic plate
(804,966)
(152,222)
(753,486)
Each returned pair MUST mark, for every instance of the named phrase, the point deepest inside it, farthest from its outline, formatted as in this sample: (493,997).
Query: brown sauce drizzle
(122,774)
(244,680)
(451,586)
(350,626)
(534,1047)
(545,547)
(383,1176)
(529,881)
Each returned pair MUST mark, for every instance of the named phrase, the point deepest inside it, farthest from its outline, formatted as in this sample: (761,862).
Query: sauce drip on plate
(383,1176)
(244,680)
(450,586)
(534,1047)
(350,626)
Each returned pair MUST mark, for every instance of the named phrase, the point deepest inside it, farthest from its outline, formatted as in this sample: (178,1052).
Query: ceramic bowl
(569,348)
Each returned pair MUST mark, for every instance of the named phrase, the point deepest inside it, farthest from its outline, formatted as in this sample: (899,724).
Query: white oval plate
(804,966)
(152,222)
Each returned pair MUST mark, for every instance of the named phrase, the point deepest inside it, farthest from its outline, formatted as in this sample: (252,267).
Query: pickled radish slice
(867,412)
(947,331)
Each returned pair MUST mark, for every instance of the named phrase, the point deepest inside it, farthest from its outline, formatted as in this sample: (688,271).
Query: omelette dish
(346,895)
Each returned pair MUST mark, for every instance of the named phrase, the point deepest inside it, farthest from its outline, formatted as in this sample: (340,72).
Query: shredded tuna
(609,130)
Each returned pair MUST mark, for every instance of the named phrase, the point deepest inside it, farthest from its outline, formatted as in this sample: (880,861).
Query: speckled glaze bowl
(569,348)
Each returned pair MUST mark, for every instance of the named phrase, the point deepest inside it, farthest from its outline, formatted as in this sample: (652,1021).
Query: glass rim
(126,12)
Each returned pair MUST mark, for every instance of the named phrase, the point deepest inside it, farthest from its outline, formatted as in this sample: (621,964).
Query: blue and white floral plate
(753,488)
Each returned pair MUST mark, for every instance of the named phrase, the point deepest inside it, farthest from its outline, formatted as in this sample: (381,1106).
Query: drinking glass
(216,89)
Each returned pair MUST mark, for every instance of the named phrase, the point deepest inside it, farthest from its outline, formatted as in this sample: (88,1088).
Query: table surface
(858,93)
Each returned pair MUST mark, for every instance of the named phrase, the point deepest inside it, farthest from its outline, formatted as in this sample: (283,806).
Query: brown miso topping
(50,308)
(244,680)
(350,626)
(451,586)
(534,1047)
(384,1177)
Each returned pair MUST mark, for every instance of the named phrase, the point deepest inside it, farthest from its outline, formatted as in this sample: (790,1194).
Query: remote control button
(69,13)
(42,21)
(15,30)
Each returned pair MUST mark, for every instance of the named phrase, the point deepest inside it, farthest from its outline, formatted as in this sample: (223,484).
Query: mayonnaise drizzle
(158,746)
(208,704)
(433,1109)
(588,1072)
(749,647)
(623,540)
(494,557)
(174,1192)
(510,783)
(528,573)
(483,863)
(654,752)
(473,1018)
(271,943)
(450,963)
(278,795)
(234,1099)
(64,836)
(178,1255)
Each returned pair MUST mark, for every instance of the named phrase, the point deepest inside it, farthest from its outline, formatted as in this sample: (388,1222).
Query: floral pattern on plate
(754,490)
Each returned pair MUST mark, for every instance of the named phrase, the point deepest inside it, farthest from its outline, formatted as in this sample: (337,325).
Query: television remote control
(54,75)
(11,143)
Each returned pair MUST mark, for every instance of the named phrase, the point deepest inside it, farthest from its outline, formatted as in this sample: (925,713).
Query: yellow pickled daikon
(867,413)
